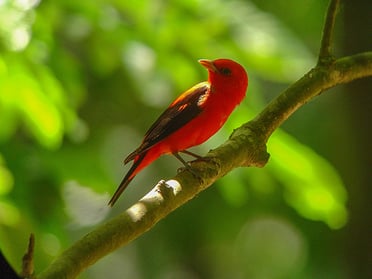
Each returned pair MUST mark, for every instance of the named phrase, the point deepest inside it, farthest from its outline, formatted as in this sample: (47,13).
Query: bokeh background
(80,83)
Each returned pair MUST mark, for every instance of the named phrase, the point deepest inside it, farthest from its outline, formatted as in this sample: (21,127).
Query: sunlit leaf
(9,214)
(41,117)
(6,178)
(312,185)
(36,98)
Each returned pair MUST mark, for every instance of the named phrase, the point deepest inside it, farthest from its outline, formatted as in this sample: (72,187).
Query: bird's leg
(196,156)
(187,166)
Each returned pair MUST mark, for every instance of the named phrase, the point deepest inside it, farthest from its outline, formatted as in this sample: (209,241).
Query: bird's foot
(187,164)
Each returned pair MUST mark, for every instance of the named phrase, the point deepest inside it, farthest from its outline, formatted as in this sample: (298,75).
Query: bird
(190,119)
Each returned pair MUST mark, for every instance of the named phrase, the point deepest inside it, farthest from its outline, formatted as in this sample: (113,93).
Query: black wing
(180,112)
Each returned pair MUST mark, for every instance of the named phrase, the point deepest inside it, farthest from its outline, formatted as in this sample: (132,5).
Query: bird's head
(226,73)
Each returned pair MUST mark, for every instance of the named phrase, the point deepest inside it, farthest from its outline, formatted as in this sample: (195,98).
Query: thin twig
(28,259)
(325,52)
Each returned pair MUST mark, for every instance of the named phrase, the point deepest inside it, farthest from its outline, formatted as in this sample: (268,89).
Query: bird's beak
(208,64)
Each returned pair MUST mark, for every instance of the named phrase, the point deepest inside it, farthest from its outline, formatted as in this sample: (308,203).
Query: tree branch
(245,147)
(317,80)
(28,259)
(325,54)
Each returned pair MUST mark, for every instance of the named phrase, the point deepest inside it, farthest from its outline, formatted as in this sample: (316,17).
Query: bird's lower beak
(208,64)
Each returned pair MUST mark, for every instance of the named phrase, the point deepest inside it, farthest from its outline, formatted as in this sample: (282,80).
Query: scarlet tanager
(192,118)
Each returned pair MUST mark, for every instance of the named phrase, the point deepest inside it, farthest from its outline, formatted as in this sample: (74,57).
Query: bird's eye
(225,71)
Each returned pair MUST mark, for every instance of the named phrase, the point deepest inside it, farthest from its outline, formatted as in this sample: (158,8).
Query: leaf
(312,185)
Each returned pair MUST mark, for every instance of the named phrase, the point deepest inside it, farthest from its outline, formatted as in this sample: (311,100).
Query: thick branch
(246,147)
(310,85)
(325,54)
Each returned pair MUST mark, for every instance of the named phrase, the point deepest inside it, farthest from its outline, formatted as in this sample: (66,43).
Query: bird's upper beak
(208,64)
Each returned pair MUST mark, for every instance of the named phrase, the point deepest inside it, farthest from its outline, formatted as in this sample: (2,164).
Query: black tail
(126,180)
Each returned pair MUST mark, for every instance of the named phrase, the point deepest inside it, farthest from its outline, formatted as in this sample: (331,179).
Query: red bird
(192,118)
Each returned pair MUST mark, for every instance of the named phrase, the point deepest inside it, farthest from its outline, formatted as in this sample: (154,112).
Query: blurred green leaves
(261,244)
(41,90)
(74,72)
(312,186)
(16,18)
(31,95)
(24,99)
(9,215)
(35,98)
(6,178)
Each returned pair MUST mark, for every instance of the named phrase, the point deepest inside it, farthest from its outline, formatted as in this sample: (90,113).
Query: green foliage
(80,81)
(313,186)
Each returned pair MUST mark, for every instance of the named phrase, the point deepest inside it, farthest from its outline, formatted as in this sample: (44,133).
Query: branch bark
(325,54)
(245,147)
(28,259)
